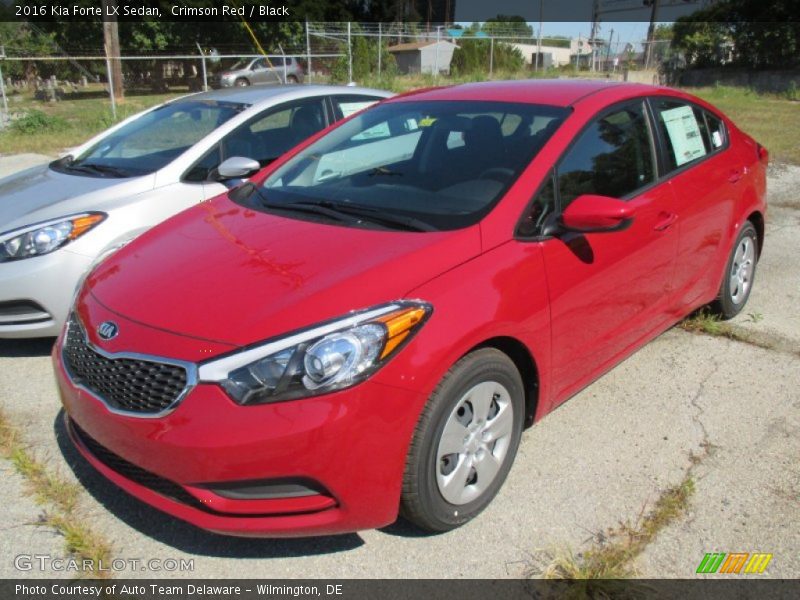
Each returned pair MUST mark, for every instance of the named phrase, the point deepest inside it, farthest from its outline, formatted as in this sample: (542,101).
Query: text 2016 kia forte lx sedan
(365,327)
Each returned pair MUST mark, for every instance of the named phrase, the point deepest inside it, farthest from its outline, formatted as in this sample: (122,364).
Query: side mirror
(597,214)
(236,167)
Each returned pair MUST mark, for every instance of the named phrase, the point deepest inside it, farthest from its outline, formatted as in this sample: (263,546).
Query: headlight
(328,357)
(42,238)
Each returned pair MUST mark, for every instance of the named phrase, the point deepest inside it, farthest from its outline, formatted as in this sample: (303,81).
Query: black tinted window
(543,205)
(613,157)
(444,163)
(271,134)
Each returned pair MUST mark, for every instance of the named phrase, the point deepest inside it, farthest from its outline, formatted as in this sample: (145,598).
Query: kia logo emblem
(107,330)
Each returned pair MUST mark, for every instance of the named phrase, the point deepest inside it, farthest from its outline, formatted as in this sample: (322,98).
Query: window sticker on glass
(716,139)
(381,130)
(684,133)
(348,108)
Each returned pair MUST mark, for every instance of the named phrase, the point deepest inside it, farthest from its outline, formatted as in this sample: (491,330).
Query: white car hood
(40,193)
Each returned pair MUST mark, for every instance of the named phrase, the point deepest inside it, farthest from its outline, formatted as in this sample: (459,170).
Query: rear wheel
(291,79)
(465,442)
(739,273)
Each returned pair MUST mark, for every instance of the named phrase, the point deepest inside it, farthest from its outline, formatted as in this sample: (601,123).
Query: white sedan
(58,220)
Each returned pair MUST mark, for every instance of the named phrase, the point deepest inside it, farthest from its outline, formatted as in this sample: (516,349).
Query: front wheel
(739,273)
(465,442)
(242,82)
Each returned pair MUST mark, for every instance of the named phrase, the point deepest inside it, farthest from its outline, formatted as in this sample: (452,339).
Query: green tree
(472,57)
(753,33)
(508,26)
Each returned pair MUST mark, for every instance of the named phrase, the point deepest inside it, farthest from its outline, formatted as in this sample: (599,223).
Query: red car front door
(609,291)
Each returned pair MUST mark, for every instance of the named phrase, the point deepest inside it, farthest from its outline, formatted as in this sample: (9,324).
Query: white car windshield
(153,140)
(440,164)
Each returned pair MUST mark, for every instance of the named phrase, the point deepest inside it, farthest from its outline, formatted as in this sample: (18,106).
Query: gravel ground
(598,461)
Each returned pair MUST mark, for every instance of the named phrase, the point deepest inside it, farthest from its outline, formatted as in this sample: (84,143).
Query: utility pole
(608,50)
(349,54)
(111,37)
(651,32)
(308,53)
(539,41)
(438,38)
(593,34)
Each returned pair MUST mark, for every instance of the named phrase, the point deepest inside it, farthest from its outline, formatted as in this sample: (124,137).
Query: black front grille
(126,384)
(128,470)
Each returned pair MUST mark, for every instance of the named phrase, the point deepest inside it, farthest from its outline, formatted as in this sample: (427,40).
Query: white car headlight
(328,357)
(42,238)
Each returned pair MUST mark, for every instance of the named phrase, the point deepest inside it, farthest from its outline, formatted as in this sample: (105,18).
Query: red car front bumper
(351,445)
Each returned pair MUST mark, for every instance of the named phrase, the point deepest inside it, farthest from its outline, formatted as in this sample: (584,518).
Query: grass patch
(612,557)
(707,323)
(58,497)
(773,120)
(51,127)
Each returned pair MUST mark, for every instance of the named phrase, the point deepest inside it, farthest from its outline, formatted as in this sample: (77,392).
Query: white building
(423,57)
(550,56)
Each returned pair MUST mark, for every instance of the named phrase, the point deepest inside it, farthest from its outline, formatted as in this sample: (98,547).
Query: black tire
(291,79)
(731,301)
(241,82)
(422,501)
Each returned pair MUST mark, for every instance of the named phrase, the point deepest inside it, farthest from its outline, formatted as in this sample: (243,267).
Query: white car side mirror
(237,167)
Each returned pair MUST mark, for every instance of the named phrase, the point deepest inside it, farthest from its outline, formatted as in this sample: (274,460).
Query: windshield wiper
(102,170)
(377,215)
(314,208)
(354,213)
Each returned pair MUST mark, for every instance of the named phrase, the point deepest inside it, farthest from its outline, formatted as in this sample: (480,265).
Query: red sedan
(366,327)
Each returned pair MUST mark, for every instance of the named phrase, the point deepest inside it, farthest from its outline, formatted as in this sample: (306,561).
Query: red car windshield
(442,164)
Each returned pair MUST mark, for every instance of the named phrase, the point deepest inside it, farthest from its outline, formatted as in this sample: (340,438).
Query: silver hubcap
(742,270)
(474,442)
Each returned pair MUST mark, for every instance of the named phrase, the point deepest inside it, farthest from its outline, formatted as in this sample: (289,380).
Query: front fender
(501,293)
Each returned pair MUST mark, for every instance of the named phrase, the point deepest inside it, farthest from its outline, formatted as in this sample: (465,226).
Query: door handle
(735,176)
(667,219)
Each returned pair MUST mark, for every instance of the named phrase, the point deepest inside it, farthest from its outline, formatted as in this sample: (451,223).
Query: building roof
(417,45)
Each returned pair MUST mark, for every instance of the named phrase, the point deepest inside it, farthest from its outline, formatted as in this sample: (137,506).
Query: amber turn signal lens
(399,324)
(83,224)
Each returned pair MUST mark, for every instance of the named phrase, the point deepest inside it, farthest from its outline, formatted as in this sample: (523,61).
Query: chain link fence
(329,52)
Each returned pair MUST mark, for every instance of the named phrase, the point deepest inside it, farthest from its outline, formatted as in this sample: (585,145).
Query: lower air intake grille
(136,474)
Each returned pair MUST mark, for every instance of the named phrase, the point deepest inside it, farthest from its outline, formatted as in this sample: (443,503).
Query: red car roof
(555,92)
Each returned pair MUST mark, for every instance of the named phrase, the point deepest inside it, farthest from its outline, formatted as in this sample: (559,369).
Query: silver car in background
(273,69)
(58,220)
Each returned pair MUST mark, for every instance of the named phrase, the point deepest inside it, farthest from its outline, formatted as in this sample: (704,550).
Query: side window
(544,204)
(200,170)
(689,133)
(344,106)
(265,137)
(271,134)
(277,61)
(716,131)
(612,157)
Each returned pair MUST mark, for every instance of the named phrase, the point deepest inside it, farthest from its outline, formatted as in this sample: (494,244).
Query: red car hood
(226,273)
